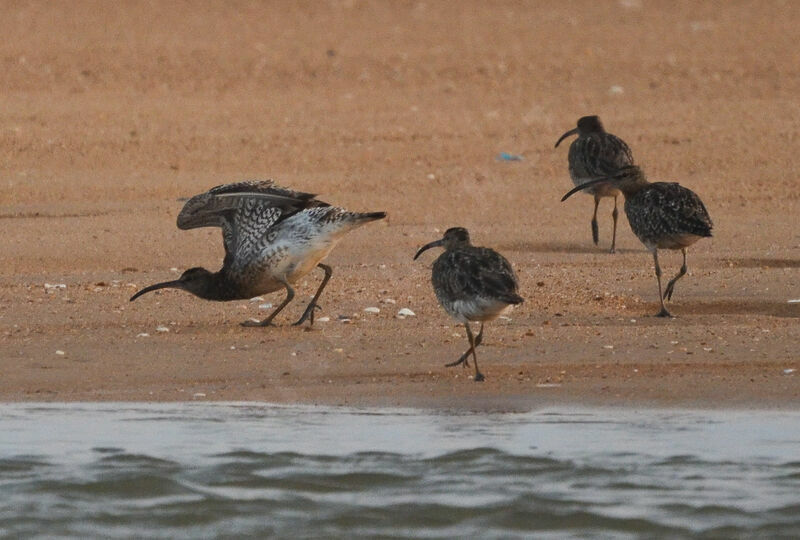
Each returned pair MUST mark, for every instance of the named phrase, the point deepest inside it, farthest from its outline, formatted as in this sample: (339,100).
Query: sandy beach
(111,114)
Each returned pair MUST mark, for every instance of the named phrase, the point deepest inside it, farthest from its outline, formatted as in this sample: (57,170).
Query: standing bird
(273,236)
(663,215)
(472,284)
(593,154)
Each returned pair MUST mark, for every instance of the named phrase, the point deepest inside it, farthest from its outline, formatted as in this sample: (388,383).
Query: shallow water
(233,470)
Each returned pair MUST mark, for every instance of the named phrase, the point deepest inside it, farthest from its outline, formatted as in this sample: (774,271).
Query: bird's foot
(250,323)
(612,250)
(463,360)
(478,377)
(663,313)
(307,314)
(668,291)
(595,233)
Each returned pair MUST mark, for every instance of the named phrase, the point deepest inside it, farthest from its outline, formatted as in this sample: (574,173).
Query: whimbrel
(471,284)
(663,215)
(593,154)
(273,236)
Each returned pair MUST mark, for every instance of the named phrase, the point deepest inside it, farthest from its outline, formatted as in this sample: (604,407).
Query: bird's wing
(601,154)
(606,154)
(676,209)
(244,210)
(476,272)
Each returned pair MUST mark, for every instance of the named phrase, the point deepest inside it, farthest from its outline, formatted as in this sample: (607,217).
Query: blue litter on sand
(505,156)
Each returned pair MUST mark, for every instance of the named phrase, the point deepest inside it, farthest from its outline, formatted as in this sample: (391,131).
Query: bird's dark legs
(478,374)
(615,215)
(309,312)
(465,356)
(679,275)
(663,312)
(595,230)
(268,320)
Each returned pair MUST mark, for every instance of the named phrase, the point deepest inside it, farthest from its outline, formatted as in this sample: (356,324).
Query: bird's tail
(338,221)
(370,216)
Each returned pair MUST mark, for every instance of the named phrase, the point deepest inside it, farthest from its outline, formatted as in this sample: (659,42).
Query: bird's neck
(633,185)
(217,287)
(629,190)
(456,245)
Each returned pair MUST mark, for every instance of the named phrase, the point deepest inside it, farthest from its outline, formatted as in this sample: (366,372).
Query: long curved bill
(437,243)
(565,135)
(590,183)
(177,284)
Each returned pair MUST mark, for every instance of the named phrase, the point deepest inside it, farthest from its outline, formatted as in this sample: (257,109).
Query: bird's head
(454,237)
(193,280)
(586,126)
(628,179)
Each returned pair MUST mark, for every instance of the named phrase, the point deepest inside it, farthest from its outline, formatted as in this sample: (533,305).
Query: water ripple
(290,472)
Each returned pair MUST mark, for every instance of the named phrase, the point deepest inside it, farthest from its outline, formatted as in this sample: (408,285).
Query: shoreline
(408,110)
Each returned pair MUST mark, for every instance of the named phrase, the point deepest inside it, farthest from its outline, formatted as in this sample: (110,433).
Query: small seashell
(265,306)
(256,299)
(323,319)
(372,310)
(405,312)
(51,286)
(60,352)
(198,395)
(162,329)
(143,334)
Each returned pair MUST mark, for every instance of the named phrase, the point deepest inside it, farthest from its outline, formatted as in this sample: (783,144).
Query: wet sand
(110,114)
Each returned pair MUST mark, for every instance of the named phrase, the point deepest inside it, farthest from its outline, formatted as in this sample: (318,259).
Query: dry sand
(110,112)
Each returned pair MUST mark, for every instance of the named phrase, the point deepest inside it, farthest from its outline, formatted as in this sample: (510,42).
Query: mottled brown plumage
(472,284)
(662,215)
(272,235)
(597,153)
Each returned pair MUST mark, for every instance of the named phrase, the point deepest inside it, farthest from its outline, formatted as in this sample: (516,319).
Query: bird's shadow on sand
(556,247)
(760,262)
(772,308)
